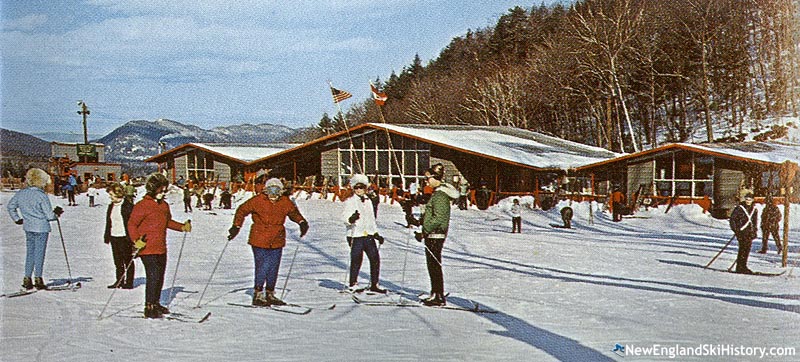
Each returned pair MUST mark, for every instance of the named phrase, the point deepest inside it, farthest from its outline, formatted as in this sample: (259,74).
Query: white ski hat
(273,183)
(359,179)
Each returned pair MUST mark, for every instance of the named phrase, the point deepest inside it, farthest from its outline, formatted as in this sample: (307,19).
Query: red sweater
(152,218)
(267,231)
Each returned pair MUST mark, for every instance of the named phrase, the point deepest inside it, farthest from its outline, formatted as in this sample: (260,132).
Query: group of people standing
(744,224)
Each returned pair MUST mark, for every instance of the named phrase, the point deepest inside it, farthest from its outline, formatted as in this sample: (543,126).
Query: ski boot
(27,283)
(376,289)
(435,300)
(38,283)
(272,299)
(151,311)
(259,299)
(162,309)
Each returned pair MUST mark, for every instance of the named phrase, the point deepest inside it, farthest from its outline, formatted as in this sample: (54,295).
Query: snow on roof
(509,144)
(245,153)
(770,151)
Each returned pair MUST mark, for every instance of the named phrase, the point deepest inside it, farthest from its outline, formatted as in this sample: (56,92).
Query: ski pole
(64,246)
(286,282)
(125,273)
(720,252)
(175,274)
(212,273)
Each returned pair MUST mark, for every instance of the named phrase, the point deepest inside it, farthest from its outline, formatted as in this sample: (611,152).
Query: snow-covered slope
(560,295)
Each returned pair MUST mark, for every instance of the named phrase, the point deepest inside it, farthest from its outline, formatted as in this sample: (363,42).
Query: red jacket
(152,218)
(267,231)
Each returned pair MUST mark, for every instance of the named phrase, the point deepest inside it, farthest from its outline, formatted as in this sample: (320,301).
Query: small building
(199,162)
(84,160)
(507,160)
(711,175)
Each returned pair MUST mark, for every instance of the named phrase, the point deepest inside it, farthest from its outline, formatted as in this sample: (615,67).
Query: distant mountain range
(138,140)
(64,137)
(21,145)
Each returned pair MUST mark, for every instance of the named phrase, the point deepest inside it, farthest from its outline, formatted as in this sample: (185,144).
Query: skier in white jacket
(362,233)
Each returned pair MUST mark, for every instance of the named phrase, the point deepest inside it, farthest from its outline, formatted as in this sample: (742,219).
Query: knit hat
(273,186)
(436,171)
(748,195)
(359,179)
(154,182)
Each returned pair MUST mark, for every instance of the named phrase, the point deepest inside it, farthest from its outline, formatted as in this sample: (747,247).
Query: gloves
(140,243)
(379,238)
(19,222)
(232,232)
(354,217)
(58,211)
(419,236)
(412,221)
(304,228)
(187,226)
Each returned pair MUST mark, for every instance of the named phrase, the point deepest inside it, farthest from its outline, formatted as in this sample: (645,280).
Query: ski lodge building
(506,160)
(84,160)
(198,162)
(710,175)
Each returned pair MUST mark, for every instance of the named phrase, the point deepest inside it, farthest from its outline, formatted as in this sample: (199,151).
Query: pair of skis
(476,308)
(55,288)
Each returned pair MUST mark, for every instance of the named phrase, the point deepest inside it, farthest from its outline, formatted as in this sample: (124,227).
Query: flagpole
(347,129)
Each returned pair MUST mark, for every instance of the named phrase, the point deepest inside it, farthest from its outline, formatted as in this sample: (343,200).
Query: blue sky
(212,63)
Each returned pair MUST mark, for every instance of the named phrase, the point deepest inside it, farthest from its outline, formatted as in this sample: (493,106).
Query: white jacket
(365,225)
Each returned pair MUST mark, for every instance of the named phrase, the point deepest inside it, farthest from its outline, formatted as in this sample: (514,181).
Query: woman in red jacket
(267,236)
(148,225)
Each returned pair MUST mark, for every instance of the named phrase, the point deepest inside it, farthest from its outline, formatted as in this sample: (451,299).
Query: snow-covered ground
(568,295)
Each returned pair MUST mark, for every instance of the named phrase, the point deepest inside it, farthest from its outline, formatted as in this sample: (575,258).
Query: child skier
(267,236)
(516,216)
(770,225)
(362,232)
(31,208)
(148,226)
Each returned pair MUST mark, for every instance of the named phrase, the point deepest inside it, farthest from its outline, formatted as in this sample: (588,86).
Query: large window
(370,154)
(684,173)
(200,166)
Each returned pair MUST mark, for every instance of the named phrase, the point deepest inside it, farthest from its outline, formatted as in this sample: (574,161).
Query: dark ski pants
(743,254)
(516,224)
(36,244)
(71,197)
(362,245)
(154,267)
(187,205)
(775,235)
(433,257)
(267,262)
(121,249)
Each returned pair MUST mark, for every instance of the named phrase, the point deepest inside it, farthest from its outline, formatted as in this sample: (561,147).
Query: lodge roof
(509,145)
(766,153)
(239,153)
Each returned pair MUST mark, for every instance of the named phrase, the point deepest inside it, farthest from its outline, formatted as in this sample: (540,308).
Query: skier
(362,232)
(435,222)
(147,226)
(566,216)
(31,208)
(72,184)
(743,221)
(225,199)
(463,190)
(770,224)
(516,216)
(207,199)
(92,192)
(267,236)
(617,204)
(187,198)
(116,234)
(130,191)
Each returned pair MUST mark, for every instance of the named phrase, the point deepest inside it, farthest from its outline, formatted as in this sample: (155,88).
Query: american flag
(339,95)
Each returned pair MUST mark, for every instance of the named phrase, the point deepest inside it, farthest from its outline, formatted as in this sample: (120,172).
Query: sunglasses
(359,186)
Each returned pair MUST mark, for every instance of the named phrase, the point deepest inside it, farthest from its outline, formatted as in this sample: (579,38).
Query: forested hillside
(619,74)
